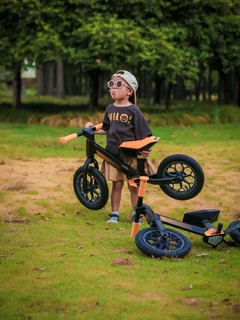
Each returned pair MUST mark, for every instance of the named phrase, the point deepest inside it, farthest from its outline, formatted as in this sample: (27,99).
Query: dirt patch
(35,185)
(122,262)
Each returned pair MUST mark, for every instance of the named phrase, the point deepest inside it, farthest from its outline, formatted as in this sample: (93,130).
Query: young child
(123,121)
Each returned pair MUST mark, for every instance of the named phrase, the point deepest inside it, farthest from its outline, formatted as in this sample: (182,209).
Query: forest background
(179,50)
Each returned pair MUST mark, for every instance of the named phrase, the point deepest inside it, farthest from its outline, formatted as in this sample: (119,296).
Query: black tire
(150,242)
(185,168)
(235,235)
(97,193)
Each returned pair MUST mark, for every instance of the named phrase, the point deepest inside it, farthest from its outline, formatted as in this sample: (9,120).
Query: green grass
(37,141)
(65,267)
(43,141)
(64,262)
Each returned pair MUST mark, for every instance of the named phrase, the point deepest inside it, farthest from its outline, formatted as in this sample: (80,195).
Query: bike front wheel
(150,242)
(92,193)
(235,235)
(187,176)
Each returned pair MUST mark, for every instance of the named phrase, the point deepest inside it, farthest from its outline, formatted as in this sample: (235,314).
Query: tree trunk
(204,89)
(180,90)
(94,88)
(60,79)
(238,88)
(224,86)
(46,79)
(220,90)
(168,96)
(71,78)
(40,89)
(231,90)
(198,88)
(17,86)
(209,84)
(49,78)
(158,92)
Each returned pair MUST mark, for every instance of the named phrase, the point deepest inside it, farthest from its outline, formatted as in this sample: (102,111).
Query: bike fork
(87,162)
(155,221)
(139,207)
(146,211)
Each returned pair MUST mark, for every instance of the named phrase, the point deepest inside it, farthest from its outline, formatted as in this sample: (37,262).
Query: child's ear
(130,92)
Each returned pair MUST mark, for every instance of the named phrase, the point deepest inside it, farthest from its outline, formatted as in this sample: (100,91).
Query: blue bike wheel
(187,176)
(150,242)
(93,194)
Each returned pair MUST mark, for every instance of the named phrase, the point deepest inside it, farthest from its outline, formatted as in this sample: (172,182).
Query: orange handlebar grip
(134,229)
(68,138)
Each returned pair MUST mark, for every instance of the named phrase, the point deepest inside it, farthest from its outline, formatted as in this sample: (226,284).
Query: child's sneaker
(113,218)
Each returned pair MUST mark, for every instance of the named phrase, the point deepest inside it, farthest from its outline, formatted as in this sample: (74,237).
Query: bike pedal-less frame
(179,176)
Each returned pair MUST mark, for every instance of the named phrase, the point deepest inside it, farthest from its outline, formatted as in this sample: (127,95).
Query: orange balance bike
(178,176)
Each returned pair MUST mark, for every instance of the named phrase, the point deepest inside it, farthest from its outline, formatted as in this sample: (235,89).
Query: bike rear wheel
(95,195)
(187,175)
(150,242)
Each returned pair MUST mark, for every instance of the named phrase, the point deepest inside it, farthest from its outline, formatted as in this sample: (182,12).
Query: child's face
(119,91)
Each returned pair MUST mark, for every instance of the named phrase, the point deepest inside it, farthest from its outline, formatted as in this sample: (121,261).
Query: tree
(169,40)
(100,44)
(165,58)
(213,36)
(225,43)
(26,36)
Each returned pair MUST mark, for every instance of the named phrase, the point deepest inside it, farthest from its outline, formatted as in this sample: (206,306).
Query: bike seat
(144,144)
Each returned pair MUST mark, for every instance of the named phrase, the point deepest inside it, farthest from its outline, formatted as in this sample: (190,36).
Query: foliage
(97,34)
(167,39)
(162,56)
(27,32)
(214,33)
(102,41)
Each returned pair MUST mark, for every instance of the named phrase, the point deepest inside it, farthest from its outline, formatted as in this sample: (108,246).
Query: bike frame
(133,175)
(198,222)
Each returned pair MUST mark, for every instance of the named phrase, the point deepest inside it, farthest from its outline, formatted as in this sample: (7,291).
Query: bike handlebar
(78,134)
(68,138)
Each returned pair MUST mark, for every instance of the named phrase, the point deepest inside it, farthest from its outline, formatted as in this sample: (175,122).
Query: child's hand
(145,153)
(89,125)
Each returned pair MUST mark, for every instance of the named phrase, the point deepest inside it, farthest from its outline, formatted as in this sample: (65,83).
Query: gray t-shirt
(124,124)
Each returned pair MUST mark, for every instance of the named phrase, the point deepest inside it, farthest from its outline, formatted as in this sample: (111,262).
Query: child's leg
(134,195)
(115,201)
(116,194)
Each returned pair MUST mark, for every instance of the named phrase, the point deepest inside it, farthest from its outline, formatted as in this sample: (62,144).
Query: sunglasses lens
(119,84)
(110,83)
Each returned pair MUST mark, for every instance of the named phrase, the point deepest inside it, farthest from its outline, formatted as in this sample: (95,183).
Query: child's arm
(91,125)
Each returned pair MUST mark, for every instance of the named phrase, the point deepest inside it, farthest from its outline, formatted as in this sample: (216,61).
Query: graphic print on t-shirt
(116,116)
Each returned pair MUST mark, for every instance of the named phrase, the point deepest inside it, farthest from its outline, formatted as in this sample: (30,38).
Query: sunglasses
(118,84)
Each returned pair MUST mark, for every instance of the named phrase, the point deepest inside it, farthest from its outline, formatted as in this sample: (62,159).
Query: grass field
(60,260)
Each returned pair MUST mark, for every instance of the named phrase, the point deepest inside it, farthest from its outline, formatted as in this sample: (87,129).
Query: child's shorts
(113,174)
